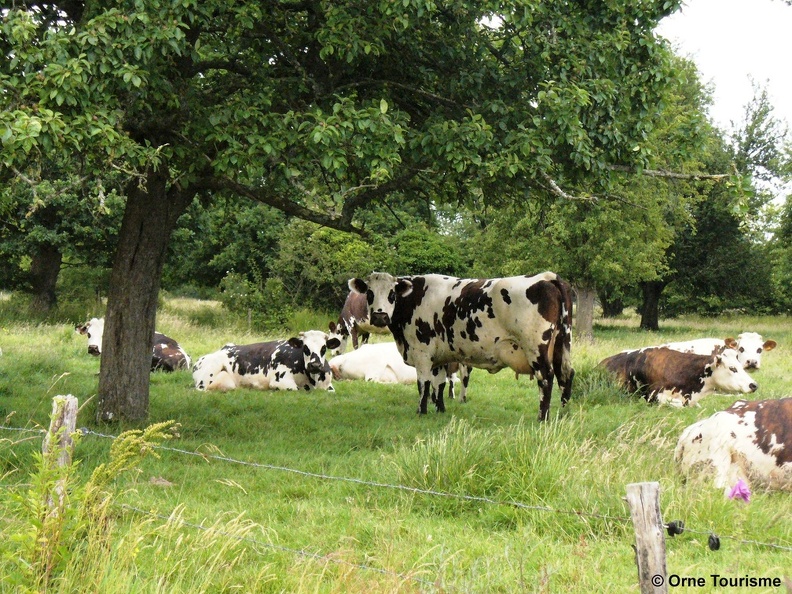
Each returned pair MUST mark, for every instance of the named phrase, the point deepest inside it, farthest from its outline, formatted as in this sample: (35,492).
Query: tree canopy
(318,108)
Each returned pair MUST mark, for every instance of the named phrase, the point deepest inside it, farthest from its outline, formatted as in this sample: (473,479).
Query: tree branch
(670,174)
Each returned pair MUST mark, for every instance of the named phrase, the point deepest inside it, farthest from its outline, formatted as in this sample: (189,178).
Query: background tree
(719,259)
(316,108)
(63,220)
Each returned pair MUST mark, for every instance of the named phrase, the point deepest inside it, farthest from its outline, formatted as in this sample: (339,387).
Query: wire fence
(674,528)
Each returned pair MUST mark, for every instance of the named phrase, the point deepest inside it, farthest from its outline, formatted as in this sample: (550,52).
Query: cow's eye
(323,351)
(742,349)
(306,351)
(758,351)
(89,335)
(733,369)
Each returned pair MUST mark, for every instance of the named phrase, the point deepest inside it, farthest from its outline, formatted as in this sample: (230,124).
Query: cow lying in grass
(166,354)
(749,347)
(297,363)
(680,379)
(749,441)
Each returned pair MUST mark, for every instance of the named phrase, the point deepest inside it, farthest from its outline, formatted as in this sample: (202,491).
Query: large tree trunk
(149,218)
(585,313)
(651,304)
(45,265)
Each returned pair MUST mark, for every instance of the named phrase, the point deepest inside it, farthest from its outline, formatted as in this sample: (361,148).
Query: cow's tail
(562,352)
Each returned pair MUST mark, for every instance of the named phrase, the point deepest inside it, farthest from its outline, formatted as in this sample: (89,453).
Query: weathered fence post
(644,502)
(58,443)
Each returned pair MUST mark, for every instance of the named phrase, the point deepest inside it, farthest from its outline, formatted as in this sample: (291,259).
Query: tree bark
(149,218)
(45,265)
(585,313)
(611,307)
(651,304)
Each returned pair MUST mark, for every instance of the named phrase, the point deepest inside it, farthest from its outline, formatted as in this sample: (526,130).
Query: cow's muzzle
(380,319)
(93,350)
(752,387)
(314,366)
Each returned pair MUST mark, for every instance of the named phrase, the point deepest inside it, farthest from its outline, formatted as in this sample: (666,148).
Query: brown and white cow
(749,347)
(298,363)
(672,377)
(749,441)
(354,321)
(166,354)
(521,322)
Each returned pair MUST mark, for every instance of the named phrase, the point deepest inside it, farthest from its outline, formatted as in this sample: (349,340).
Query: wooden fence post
(59,438)
(644,502)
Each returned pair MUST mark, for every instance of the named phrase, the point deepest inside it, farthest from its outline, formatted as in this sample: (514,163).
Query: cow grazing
(679,379)
(354,321)
(751,441)
(298,363)
(166,354)
(749,347)
(521,322)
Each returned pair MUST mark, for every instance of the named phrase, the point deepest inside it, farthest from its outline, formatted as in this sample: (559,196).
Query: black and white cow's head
(315,346)
(93,329)
(381,290)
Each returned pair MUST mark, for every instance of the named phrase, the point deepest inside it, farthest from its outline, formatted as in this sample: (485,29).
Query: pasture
(482,498)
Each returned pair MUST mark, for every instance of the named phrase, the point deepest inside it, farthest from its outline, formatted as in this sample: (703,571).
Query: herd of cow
(443,327)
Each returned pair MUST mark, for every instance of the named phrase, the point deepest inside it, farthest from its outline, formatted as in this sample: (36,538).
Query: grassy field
(482,498)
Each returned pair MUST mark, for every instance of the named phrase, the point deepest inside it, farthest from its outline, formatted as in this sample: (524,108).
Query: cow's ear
(769,345)
(358,285)
(295,342)
(404,287)
(82,329)
(333,327)
(333,343)
(731,343)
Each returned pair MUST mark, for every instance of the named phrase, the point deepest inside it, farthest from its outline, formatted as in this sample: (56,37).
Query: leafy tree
(619,239)
(230,235)
(317,108)
(719,260)
(63,220)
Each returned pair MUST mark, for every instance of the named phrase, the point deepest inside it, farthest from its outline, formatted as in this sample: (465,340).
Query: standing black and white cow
(166,354)
(297,363)
(680,379)
(354,321)
(521,322)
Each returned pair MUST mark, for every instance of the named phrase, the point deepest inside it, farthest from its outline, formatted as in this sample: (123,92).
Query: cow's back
(656,369)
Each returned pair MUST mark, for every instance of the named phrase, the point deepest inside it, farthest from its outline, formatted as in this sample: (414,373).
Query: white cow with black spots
(298,363)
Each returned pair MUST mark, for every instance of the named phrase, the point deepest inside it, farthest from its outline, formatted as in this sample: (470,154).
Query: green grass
(280,531)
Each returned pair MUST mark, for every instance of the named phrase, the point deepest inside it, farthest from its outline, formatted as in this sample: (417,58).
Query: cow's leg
(562,367)
(544,377)
(424,389)
(364,337)
(464,376)
(354,333)
(439,378)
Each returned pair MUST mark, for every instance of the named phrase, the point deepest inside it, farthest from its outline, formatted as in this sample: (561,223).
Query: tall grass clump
(61,534)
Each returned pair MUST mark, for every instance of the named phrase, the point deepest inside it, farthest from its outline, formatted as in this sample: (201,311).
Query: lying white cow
(750,440)
(382,363)
(378,362)
(749,347)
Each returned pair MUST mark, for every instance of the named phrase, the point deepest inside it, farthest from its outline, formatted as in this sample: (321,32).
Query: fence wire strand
(405,488)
